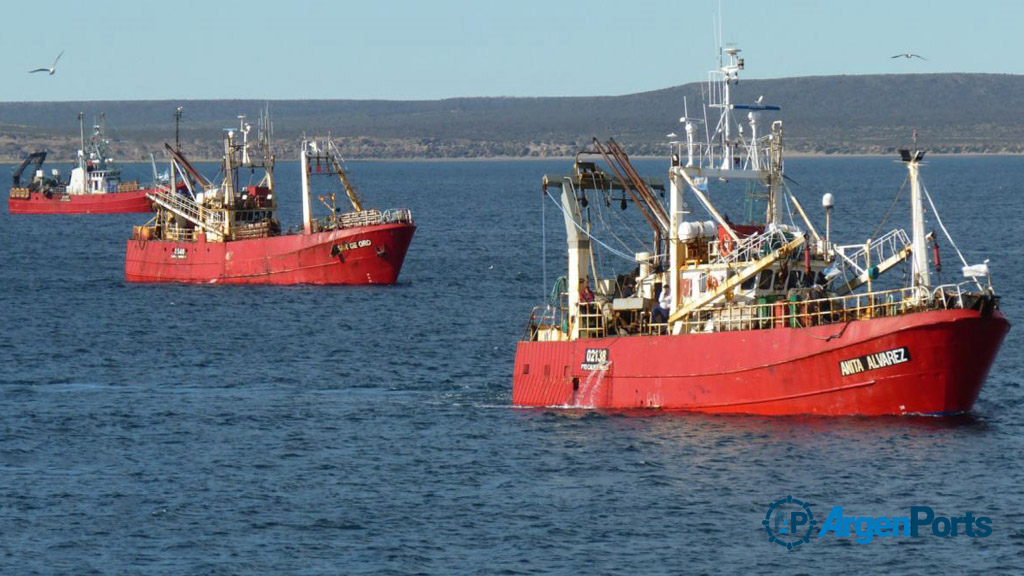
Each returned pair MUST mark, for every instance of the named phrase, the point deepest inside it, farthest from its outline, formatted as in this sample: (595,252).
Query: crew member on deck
(586,294)
(660,313)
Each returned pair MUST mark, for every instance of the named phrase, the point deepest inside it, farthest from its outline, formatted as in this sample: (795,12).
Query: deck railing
(398,215)
(594,319)
(802,313)
(370,217)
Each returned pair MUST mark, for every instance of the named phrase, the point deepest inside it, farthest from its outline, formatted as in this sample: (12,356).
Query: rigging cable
(543,242)
(946,232)
(623,223)
(891,206)
(622,255)
(789,209)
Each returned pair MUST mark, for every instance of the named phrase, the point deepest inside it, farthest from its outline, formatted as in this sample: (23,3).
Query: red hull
(109,203)
(364,255)
(927,363)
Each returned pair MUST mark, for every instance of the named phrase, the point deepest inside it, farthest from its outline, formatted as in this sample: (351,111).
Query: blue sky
(412,50)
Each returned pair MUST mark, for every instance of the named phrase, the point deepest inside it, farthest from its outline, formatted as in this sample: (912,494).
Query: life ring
(726,245)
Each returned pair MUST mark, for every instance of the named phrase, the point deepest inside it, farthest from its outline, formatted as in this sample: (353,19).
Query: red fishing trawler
(94,185)
(767,318)
(227,232)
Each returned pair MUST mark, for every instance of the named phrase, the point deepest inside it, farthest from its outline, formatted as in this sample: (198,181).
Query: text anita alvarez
(874,361)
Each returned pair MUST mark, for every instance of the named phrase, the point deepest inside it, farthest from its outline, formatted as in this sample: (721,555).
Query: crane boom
(357,204)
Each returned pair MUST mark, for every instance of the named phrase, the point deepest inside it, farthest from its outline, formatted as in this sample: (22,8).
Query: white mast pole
(579,250)
(920,247)
(306,224)
(81,151)
(676,208)
(755,157)
(727,131)
(229,184)
(689,144)
(776,200)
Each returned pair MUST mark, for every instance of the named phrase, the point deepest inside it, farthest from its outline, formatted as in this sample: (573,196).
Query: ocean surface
(208,430)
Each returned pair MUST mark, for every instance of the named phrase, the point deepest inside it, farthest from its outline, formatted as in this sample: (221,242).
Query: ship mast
(230,172)
(578,242)
(919,241)
(731,76)
(177,122)
(81,131)
(726,157)
(306,208)
(775,174)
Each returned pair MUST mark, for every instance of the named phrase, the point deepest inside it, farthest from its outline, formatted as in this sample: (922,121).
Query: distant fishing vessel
(228,232)
(769,317)
(94,185)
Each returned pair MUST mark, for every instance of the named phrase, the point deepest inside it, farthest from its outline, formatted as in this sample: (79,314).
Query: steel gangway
(881,249)
(208,220)
(753,247)
(870,259)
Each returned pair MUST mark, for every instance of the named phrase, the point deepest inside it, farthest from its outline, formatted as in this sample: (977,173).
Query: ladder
(209,221)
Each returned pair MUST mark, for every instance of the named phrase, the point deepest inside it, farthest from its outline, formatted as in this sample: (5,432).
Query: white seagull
(51,69)
(908,56)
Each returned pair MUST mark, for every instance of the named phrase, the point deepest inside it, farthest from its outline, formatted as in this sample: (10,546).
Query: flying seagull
(908,56)
(51,69)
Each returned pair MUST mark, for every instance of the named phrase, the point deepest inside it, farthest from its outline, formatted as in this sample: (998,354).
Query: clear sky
(413,50)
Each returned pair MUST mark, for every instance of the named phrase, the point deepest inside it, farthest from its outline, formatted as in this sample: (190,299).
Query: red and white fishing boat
(94,185)
(228,232)
(767,318)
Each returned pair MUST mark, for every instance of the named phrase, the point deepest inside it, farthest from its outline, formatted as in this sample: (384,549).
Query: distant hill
(954,113)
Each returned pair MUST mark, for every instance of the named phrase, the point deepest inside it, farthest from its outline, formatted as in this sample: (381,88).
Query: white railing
(752,247)
(370,217)
(881,249)
(398,215)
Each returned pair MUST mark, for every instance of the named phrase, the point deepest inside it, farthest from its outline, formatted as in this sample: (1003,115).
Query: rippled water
(301,430)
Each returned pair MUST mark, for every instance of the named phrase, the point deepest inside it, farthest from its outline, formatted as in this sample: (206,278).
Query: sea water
(164,429)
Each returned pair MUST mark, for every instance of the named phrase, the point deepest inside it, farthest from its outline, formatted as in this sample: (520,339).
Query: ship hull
(923,363)
(109,203)
(362,255)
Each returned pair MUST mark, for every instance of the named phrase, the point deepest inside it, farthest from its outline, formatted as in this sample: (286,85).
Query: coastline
(423,159)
